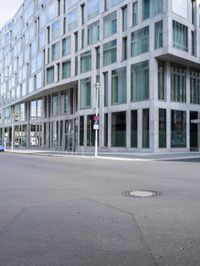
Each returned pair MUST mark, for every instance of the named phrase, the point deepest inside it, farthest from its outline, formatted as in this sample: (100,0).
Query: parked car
(2,148)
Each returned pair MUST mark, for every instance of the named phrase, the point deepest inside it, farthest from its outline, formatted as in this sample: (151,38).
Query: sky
(8,10)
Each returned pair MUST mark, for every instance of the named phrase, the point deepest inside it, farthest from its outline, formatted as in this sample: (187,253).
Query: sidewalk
(112,156)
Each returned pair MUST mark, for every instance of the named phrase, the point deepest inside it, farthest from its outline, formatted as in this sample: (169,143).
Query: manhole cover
(140,193)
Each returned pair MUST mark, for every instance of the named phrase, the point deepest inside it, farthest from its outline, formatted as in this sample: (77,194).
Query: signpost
(96,119)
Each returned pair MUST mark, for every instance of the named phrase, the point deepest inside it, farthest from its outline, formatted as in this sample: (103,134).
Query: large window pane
(161,81)
(90,131)
(140,81)
(66,70)
(110,24)
(178,83)
(119,129)
(194,86)
(86,61)
(162,128)
(152,8)
(50,75)
(180,36)
(159,35)
(93,33)
(134,128)
(180,7)
(93,8)
(110,53)
(119,86)
(140,41)
(178,129)
(85,93)
(145,128)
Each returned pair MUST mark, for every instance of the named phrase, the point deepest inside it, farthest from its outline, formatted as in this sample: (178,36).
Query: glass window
(85,93)
(180,36)
(70,3)
(134,128)
(51,12)
(65,102)
(55,30)
(105,75)
(119,129)
(42,39)
(39,80)
(110,53)
(140,41)
(33,109)
(158,34)
(145,128)
(55,51)
(162,128)
(178,83)
(106,130)
(194,86)
(98,59)
(93,33)
(50,75)
(93,8)
(66,70)
(119,86)
(90,131)
(86,61)
(110,24)
(161,80)
(66,46)
(55,104)
(72,19)
(135,13)
(152,8)
(140,81)
(178,129)
(180,7)
(81,133)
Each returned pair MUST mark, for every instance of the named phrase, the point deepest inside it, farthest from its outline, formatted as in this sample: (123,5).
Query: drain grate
(140,194)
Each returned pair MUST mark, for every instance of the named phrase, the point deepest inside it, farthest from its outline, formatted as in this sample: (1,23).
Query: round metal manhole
(140,194)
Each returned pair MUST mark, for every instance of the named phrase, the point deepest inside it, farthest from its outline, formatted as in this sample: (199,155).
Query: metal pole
(12,136)
(97,112)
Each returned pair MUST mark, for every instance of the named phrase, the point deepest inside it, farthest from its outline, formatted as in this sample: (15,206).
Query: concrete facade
(50,107)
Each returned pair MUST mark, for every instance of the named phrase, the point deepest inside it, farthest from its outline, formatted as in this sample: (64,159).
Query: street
(71,211)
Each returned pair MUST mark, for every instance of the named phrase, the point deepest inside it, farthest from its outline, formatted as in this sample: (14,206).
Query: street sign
(96,127)
(96,118)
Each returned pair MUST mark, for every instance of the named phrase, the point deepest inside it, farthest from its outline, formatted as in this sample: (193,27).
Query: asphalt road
(70,211)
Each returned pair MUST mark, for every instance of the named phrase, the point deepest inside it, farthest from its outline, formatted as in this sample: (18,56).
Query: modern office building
(145,55)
